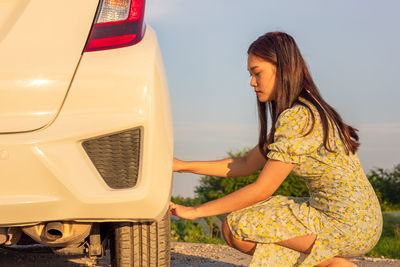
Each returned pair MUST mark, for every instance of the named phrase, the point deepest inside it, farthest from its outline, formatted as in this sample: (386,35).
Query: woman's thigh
(275,220)
(302,244)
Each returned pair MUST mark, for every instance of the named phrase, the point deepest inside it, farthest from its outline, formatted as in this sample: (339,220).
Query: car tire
(141,243)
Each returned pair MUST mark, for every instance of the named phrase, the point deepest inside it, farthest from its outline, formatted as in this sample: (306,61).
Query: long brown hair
(293,80)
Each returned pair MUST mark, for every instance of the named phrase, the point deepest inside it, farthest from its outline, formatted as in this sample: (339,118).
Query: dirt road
(182,255)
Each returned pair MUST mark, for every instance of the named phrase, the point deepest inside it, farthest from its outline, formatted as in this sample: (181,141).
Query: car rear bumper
(47,175)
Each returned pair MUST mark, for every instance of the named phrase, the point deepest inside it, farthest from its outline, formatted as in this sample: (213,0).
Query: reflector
(114,10)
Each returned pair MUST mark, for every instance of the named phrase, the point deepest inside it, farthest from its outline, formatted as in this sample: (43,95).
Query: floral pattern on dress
(342,210)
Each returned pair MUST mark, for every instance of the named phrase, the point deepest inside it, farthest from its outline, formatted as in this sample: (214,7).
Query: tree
(186,201)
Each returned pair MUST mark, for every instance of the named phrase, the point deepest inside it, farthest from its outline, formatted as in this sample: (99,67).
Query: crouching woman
(340,218)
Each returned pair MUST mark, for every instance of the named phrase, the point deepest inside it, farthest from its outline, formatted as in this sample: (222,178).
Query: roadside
(210,255)
(182,255)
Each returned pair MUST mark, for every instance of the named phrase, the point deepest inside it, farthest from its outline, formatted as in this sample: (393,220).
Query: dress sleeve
(290,145)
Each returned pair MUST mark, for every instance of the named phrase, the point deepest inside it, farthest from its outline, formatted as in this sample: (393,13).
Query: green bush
(293,186)
(185,230)
(189,231)
(386,184)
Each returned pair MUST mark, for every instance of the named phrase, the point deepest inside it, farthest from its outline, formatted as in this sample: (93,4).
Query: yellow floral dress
(342,210)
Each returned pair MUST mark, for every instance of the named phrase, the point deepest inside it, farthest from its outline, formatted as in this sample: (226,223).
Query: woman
(342,216)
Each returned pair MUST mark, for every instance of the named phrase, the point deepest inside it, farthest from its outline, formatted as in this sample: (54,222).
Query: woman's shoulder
(301,111)
(297,110)
(295,134)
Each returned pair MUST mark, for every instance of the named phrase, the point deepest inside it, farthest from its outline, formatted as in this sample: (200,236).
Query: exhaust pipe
(58,234)
(54,231)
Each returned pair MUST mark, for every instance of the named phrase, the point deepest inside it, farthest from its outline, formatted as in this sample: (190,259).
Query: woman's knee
(226,232)
(247,247)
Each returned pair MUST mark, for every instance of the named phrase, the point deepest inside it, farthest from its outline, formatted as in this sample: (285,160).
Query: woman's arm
(231,167)
(272,175)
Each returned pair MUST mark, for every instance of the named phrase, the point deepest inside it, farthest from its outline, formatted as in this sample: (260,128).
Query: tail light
(118,23)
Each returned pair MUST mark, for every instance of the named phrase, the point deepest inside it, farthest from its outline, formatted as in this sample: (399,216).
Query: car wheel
(141,243)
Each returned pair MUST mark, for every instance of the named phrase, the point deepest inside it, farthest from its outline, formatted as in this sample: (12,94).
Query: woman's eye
(254,74)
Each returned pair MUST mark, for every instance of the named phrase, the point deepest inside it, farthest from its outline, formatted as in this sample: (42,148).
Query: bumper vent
(116,157)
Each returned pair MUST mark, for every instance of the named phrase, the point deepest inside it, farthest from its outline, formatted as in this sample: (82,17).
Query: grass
(388,245)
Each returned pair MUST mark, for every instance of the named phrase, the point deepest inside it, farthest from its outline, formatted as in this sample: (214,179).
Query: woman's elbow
(261,193)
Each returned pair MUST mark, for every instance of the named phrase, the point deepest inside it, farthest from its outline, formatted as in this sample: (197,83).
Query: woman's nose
(253,82)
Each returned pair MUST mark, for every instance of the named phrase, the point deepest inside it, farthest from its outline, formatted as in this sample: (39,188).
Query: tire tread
(141,244)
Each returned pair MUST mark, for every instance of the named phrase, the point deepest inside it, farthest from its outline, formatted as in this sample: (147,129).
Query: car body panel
(41,43)
(46,174)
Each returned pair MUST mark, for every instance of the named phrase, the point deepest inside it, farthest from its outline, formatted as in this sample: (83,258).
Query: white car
(86,142)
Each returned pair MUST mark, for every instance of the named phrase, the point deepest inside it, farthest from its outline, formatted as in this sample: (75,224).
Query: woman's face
(262,77)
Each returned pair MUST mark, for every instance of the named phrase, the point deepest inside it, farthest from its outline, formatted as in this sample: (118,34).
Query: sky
(351,48)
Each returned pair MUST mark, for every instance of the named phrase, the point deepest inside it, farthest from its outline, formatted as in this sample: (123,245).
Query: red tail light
(118,23)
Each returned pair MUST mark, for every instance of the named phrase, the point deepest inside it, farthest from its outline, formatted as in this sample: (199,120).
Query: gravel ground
(182,255)
(204,255)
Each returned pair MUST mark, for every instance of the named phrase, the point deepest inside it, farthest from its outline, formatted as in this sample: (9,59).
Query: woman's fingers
(183,212)
(172,207)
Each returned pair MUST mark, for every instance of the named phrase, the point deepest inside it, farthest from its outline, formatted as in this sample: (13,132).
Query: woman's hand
(187,213)
(178,165)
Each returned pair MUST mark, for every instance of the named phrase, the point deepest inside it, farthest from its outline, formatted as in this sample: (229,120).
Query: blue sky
(351,48)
